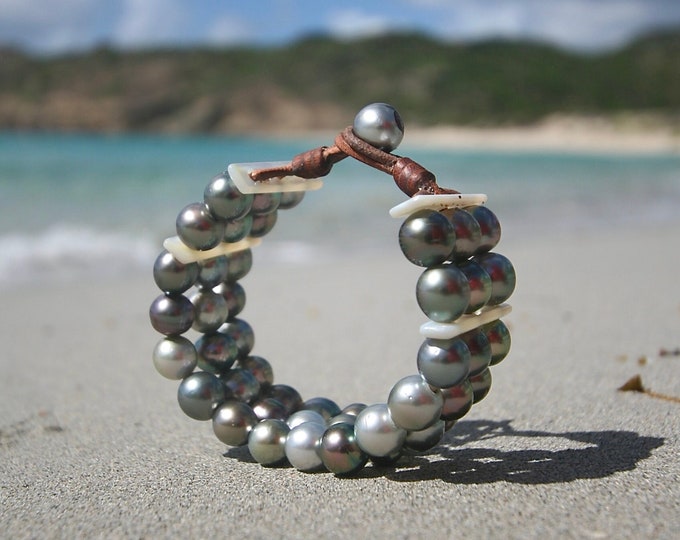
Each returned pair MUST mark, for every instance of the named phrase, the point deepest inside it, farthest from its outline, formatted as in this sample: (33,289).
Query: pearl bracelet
(462,291)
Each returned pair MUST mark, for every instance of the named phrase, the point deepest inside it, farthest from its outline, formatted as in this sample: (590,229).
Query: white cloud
(229,30)
(351,23)
(150,22)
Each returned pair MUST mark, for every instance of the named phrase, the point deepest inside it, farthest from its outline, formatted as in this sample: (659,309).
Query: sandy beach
(93,443)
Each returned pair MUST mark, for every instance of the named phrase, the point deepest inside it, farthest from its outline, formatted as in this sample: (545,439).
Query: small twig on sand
(634,384)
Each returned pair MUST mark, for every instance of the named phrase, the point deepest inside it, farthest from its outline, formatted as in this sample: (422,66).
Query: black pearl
(480,285)
(427,238)
(444,363)
(216,352)
(291,398)
(237,229)
(171,314)
(502,275)
(269,408)
(263,224)
(235,297)
(468,233)
(481,384)
(457,401)
(339,450)
(210,310)
(324,406)
(499,339)
(489,226)
(212,272)
(259,367)
(443,293)
(242,333)
(480,350)
(200,394)
(379,124)
(242,384)
(290,199)
(171,275)
(224,199)
(232,422)
(197,228)
(239,264)
(265,203)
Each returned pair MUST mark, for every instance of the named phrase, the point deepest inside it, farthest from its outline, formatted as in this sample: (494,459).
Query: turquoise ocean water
(75,204)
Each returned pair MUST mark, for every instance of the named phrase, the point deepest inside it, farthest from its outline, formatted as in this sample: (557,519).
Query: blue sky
(53,26)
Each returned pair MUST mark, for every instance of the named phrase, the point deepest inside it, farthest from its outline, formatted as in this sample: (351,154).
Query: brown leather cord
(411,177)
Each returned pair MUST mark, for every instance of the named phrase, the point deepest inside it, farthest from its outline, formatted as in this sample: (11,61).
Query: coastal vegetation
(318,83)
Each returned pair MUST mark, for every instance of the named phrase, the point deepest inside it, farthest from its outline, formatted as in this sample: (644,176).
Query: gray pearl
(339,450)
(265,203)
(481,384)
(325,407)
(342,418)
(480,285)
(217,352)
(197,228)
(290,199)
(200,394)
(303,416)
(354,408)
(376,433)
(233,422)
(480,350)
(210,310)
(380,125)
(212,272)
(235,297)
(267,442)
(224,199)
(413,404)
(499,339)
(468,233)
(260,368)
(242,384)
(172,276)
(242,333)
(427,438)
(269,409)
(443,293)
(174,357)
(457,401)
(444,362)
(238,265)
(489,226)
(287,395)
(237,229)
(263,224)
(171,314)
(302,445)
(502,275)
(427,238)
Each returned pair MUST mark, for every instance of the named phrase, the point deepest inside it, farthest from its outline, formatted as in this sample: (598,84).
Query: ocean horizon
(74,204)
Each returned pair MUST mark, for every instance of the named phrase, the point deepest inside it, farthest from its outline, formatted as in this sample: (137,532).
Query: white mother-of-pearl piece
(240,175)
(186,255)
(435,330)
(436,202)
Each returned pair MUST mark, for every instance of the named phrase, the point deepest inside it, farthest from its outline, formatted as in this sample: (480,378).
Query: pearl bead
(290,199)
(200,394)
(171,314)
(457,401)
(354,409)
(413,404)
(239,264)
(210,310)
(235,297)
(339,450)
(237,229)
(502,275)
(197,228)
(224,199)
(379,124)
(233,422)
(443,363)
(242,384)
(325,407)
(260,368)
(242,333)
(427,238)
(443,293)
(217,352)
(480,285)
(269,409)
(174,357)
(342,418)
(480,350)
(302,445)
(489,226)
(263,224)
(265,203)
(267,441)
(376,433)
(287,395)
(468,233)
(303,416)
(481,384)
(212,272)
(499,339)
(427,438)
(172,276)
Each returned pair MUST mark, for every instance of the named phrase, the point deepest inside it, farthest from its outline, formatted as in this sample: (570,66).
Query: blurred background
(114,115)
